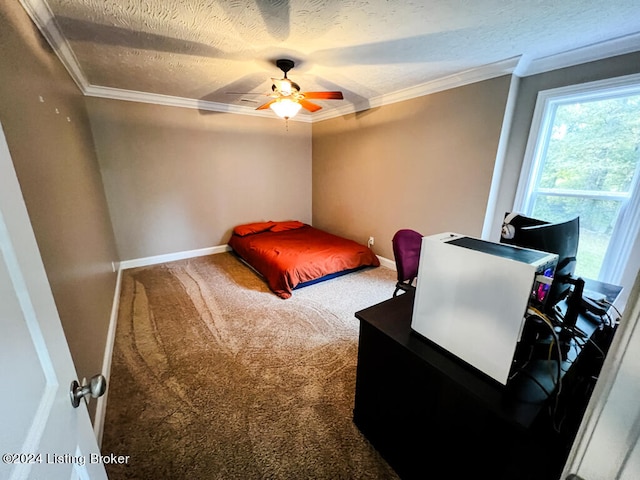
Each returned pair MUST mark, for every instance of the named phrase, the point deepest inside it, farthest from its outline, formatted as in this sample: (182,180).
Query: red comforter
(287,254)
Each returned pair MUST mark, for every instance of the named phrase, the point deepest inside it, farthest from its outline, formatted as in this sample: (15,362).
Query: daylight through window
(583,159)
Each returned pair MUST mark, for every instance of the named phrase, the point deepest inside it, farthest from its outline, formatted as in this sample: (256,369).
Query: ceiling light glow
(285,108)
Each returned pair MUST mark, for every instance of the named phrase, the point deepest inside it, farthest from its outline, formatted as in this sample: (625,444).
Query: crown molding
(577,56)
(521,66)
(485,72)
(171,101)
(43,18)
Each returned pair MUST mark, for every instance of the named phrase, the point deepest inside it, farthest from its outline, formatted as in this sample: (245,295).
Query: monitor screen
(559,238)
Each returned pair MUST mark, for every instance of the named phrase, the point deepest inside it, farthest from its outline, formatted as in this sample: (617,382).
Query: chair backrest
(406,250)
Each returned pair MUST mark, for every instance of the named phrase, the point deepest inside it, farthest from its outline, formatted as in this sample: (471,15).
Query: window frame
(627,228)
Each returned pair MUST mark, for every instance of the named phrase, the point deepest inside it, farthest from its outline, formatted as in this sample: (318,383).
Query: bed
(293,254)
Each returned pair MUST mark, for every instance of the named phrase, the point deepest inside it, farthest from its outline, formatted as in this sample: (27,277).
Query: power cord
(605,302)
(557,380)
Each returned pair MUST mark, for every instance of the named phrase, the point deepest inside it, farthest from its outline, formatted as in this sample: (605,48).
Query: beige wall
(58,173)
(178,179)
(424,164)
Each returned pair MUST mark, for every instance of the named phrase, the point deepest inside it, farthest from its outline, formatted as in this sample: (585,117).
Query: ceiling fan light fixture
(285,108)
(285,88)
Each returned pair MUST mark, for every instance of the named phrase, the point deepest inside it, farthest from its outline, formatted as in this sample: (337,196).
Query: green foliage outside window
(593,149)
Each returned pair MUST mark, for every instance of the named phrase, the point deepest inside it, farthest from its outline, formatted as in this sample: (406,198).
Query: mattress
(292,254)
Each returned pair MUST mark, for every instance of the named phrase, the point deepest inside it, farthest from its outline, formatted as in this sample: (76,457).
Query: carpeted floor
(215,377)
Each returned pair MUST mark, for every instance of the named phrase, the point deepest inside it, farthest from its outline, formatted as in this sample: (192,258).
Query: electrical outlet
(370,242)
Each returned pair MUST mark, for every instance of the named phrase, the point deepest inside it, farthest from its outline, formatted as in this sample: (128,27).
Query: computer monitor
(559,238)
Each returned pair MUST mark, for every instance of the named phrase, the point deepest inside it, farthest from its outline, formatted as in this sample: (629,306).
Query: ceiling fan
(287,99)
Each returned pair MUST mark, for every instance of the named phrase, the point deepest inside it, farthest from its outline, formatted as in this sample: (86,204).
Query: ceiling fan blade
(323,95)
(312,107)
(264,106)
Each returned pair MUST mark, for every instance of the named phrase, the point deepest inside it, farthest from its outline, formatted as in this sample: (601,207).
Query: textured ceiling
(201,50)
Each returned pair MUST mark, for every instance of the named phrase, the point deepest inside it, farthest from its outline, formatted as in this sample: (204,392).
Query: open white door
(41,434)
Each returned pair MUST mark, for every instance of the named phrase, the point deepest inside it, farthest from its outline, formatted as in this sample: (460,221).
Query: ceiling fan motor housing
(285,65)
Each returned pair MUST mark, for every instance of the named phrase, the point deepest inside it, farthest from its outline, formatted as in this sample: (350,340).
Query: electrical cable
(608,303)
(535,380)
(553,407)
(556,341)
(597,347)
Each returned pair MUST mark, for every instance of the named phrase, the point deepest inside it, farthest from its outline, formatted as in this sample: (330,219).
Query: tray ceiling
(194,52)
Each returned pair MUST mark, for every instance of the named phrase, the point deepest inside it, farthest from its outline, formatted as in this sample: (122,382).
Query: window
(583,159)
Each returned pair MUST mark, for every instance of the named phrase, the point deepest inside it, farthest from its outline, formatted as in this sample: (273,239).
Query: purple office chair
(406,250)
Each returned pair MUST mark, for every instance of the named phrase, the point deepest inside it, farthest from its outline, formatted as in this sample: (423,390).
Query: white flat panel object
(471,302)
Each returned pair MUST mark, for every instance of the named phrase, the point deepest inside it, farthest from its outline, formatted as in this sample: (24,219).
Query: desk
(430,415)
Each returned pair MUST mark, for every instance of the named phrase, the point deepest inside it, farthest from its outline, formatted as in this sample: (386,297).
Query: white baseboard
(385,262)
(101,405)
(171,257)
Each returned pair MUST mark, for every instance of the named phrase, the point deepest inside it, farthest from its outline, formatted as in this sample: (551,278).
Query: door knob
(96,388)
